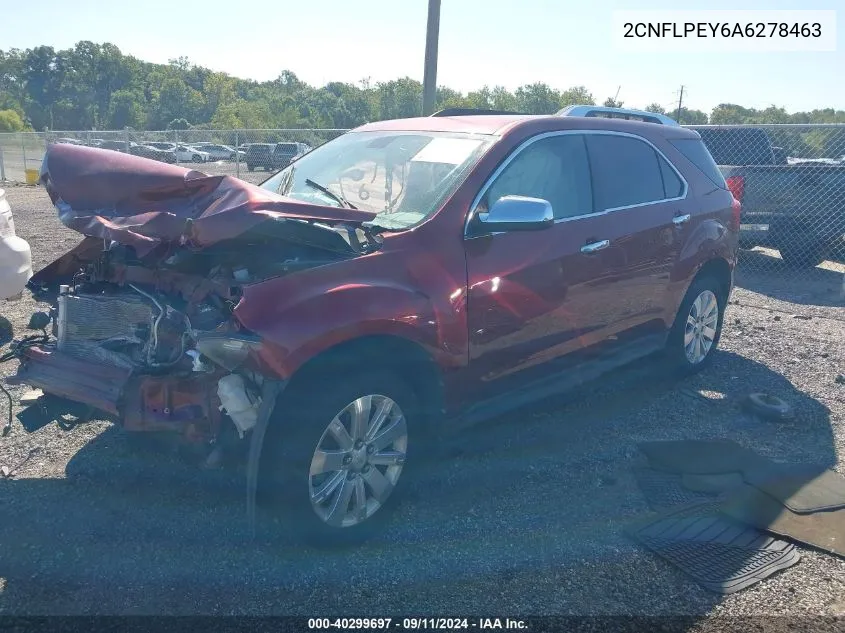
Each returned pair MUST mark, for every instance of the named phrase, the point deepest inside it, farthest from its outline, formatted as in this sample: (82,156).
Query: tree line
(96,87)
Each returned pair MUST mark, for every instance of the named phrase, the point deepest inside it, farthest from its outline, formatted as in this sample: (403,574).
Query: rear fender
(710,239)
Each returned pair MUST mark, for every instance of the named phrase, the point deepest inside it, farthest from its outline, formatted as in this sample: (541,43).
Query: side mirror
(518,213)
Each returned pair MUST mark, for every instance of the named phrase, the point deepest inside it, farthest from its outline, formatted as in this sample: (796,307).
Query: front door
(533,296)
(649,214)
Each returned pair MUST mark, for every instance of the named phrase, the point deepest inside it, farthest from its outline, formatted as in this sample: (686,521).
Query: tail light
(736,185)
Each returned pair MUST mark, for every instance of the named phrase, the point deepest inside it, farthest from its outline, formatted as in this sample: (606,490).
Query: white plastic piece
(236,403)
(197,365)
(15,256)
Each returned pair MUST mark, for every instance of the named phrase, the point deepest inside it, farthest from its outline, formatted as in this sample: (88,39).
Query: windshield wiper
(331,194)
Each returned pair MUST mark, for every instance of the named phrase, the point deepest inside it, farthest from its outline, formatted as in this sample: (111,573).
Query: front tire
(697,328)
(196,158)
(335,465)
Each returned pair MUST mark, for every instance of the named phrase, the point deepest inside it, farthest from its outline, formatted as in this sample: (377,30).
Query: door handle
(592,247)
(678,220)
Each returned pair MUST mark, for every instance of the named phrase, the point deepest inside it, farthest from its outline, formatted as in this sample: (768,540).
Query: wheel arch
(720,270)
(411,361)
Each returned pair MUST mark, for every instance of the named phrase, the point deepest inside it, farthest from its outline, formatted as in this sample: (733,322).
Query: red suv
(403,276)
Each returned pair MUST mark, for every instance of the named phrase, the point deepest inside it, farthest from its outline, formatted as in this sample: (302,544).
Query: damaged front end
(142,317)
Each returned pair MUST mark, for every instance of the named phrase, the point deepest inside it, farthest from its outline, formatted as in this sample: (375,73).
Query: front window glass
(554,169)
(402,176)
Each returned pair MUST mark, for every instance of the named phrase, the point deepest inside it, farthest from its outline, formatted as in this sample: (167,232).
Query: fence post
(237,157)
(23,151)
(2,168)
(126,138)
(176,136)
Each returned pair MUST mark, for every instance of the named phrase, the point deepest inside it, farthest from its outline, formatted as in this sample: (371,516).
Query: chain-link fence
(789,178)
(247,154)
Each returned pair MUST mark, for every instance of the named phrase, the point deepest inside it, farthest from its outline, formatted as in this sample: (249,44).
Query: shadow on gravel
(522,515)
(759,272)
(7,331)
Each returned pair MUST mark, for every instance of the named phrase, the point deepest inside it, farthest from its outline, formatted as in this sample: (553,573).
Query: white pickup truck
(15,256)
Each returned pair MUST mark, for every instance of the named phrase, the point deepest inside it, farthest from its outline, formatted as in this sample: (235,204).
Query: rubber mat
(712,484)
(824,530)
(699,457)
(716,551)
(802,488)
(665,490)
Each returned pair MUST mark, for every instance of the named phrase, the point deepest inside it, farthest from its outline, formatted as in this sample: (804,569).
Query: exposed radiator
(112,329)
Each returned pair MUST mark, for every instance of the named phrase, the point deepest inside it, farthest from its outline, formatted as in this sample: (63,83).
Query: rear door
(648,217)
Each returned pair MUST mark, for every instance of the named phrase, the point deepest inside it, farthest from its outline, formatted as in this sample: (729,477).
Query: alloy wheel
(701,326)
(358,461)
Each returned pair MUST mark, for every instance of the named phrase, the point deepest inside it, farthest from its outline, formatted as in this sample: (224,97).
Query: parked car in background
(116,146)
(15,256)
(404,276)
(69,141)
(259,156)
(146,151)
(163,145)
(186,154)
(285,153)
(219,152)
(797,207)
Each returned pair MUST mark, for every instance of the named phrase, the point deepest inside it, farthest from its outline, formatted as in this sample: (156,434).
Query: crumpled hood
(143,203)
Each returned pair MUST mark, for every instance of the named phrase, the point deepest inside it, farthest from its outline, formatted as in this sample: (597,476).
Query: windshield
(404,177)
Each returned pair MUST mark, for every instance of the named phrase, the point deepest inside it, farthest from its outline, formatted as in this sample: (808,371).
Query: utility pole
(432,36)
(680,101)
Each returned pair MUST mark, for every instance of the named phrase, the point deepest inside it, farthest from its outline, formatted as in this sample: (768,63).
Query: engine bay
(154,343)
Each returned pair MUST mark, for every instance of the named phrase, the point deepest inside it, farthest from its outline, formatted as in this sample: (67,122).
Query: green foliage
(94,86)
(178,124)
(689,117)
(10,121)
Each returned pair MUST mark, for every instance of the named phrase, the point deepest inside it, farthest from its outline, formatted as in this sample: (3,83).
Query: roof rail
(617,113)
(470,112)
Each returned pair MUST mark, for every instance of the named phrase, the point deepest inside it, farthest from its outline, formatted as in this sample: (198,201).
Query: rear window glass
(695,151)
(625,171)
(673,186)
(287,147)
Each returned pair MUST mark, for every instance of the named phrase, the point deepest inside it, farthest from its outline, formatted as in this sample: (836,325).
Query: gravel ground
(524,516)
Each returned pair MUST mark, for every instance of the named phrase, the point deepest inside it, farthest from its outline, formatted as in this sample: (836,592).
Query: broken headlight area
(229,351)
(155,361)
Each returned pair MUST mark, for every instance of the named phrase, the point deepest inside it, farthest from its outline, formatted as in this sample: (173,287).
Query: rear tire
(318,417)
(802,253)
(697,329)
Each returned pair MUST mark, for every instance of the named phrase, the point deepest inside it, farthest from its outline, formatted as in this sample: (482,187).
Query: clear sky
(495,42)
